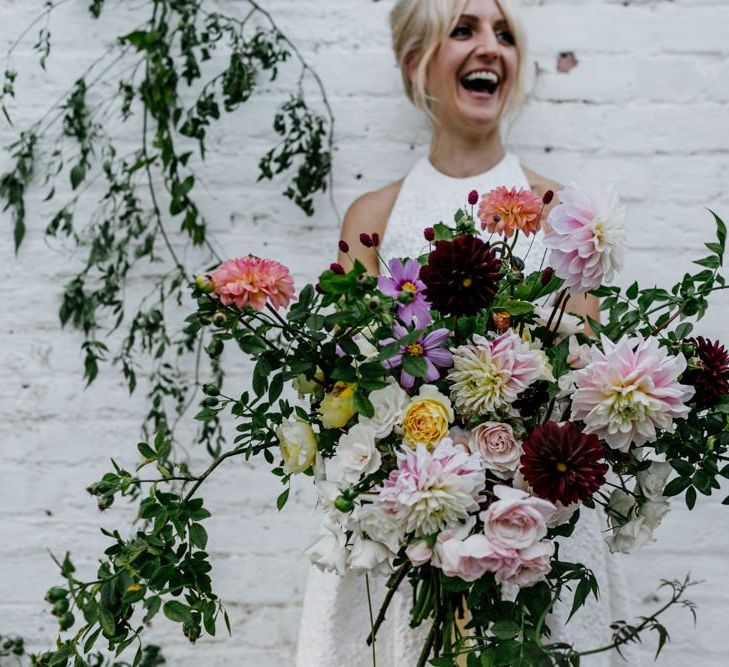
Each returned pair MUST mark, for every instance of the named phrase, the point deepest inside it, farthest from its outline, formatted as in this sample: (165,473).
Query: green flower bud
(105,502)
(210,402)
(211,389)
(66,621)
(56,593)
(219,318)
(215,348)
(60,607)
(191,631)
(343,504)
(203,283)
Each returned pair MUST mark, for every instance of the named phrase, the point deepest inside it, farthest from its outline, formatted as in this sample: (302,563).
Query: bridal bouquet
(456,419)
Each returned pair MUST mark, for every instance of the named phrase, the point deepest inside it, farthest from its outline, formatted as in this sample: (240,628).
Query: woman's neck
(461,156)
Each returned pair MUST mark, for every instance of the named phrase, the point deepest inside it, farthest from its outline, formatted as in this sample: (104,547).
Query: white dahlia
(629,389)
(587,237)
(487,375)
(431,490)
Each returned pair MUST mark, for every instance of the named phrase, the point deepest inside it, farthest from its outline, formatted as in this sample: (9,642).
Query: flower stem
(393,584)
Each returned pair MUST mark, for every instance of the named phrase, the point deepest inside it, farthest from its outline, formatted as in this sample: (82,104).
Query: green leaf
(505,629)
(198,535)
(281,500)
(177,612)
(77,175)
(632,291)
(415,366)
(515,307)
(276,387)
(106,620)
(146,451)
(690,497)
(682,467)
(676,486)
(711,262)
(363,405)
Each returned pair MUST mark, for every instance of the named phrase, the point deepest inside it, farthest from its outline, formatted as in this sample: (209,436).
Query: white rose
(357,453)
(631,536)
(298,445)
(633,524)
(389,404)
(329,551)
(370,556)
(652,481)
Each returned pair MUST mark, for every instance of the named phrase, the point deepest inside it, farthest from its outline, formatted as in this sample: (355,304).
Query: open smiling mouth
(481,81)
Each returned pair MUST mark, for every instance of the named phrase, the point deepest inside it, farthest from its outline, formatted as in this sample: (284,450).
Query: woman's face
(474,69)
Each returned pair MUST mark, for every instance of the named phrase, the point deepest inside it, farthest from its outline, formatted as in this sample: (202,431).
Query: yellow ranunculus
(337,408)
(298,445)
(427,418)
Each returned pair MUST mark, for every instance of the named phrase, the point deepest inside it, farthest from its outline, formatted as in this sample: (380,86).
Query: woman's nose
(488,44)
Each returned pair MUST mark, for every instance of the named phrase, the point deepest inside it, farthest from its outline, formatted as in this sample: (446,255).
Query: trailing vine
(148,215)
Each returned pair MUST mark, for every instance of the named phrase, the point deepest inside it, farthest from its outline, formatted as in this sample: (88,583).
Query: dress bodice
(428,196)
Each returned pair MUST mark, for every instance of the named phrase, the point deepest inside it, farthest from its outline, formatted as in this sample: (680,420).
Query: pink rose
(459,436)
(419,552)
(497,446)
(517,520)
(471,558)
(534,564)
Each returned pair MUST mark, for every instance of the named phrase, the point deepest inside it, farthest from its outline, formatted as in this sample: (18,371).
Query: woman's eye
(461,31)
(506,36)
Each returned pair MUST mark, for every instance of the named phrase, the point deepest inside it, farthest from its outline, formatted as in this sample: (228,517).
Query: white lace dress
(335,619)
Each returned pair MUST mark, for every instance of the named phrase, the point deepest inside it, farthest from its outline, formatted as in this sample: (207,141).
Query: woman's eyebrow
(500,22)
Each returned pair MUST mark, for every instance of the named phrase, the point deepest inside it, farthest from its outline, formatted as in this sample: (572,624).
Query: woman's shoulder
(540,184)
(371,211)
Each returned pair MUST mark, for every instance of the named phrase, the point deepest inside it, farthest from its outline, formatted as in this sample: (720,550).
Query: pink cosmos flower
(587,237)
(629,389)
(429,491)
(429,347)
(505,211)
(406,288)
(251,281)
(517,520)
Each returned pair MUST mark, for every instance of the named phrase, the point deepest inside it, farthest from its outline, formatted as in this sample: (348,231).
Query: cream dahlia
(587,237)
(429,491)
(629,389)
(487,374)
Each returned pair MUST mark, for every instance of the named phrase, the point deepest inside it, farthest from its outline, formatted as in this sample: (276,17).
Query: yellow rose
(298,445)
(427,418)
(337,408)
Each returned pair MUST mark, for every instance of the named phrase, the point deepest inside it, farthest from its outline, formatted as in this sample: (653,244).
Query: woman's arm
(368,214)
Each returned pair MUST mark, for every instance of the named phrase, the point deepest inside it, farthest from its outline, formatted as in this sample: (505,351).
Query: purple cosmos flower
(429,347)
(406,288)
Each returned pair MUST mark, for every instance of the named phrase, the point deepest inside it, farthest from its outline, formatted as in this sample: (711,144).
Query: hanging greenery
(147,215)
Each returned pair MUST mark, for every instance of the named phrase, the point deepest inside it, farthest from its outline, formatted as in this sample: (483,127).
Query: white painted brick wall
(646,108)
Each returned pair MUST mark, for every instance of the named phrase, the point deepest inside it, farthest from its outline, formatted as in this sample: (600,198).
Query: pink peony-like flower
(497,446)
(587,237)
(517,520)
(471,558)
(504,211)
(487,375)
(628,390)
(429,491)
(534,564)
(251,281)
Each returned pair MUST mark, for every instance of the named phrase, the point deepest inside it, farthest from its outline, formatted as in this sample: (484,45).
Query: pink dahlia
(629,389)
(587,237)
(487,375)
(505,211)
(431,490)
(251,281)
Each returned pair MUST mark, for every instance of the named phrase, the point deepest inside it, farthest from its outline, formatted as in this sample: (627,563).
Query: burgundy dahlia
(711,381)
(561,463)
(461,276)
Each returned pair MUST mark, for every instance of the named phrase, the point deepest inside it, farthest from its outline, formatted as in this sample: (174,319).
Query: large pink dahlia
(629,389)
(587,237)
(251,281)
(487,375)
(429,491)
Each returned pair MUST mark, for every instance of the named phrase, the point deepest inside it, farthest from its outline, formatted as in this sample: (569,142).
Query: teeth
(482,75)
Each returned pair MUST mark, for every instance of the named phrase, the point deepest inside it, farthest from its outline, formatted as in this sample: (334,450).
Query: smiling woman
(463,64)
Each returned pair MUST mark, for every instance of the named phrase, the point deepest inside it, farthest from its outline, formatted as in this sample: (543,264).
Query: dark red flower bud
(548,196)
(319,289)
(473,197)
(365,240)
(429,234)
(337,268)
(376,239)
(497,218)
(547,275)
(344,246)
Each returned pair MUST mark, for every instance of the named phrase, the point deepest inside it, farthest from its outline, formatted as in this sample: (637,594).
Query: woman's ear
(410,66)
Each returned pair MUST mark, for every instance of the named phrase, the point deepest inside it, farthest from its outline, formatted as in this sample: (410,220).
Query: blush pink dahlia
(587,237)
(429,491)
(505,211)
(251,281)
(629,389)
(487,375)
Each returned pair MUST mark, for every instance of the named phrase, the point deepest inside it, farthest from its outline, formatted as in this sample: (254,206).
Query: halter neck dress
(335,620)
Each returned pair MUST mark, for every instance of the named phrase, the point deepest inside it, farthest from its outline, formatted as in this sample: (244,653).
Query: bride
(463,64)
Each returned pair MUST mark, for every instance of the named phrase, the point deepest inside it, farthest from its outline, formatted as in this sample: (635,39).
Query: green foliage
(131,230)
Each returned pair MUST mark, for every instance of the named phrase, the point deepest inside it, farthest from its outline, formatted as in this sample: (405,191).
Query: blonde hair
(419,27)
